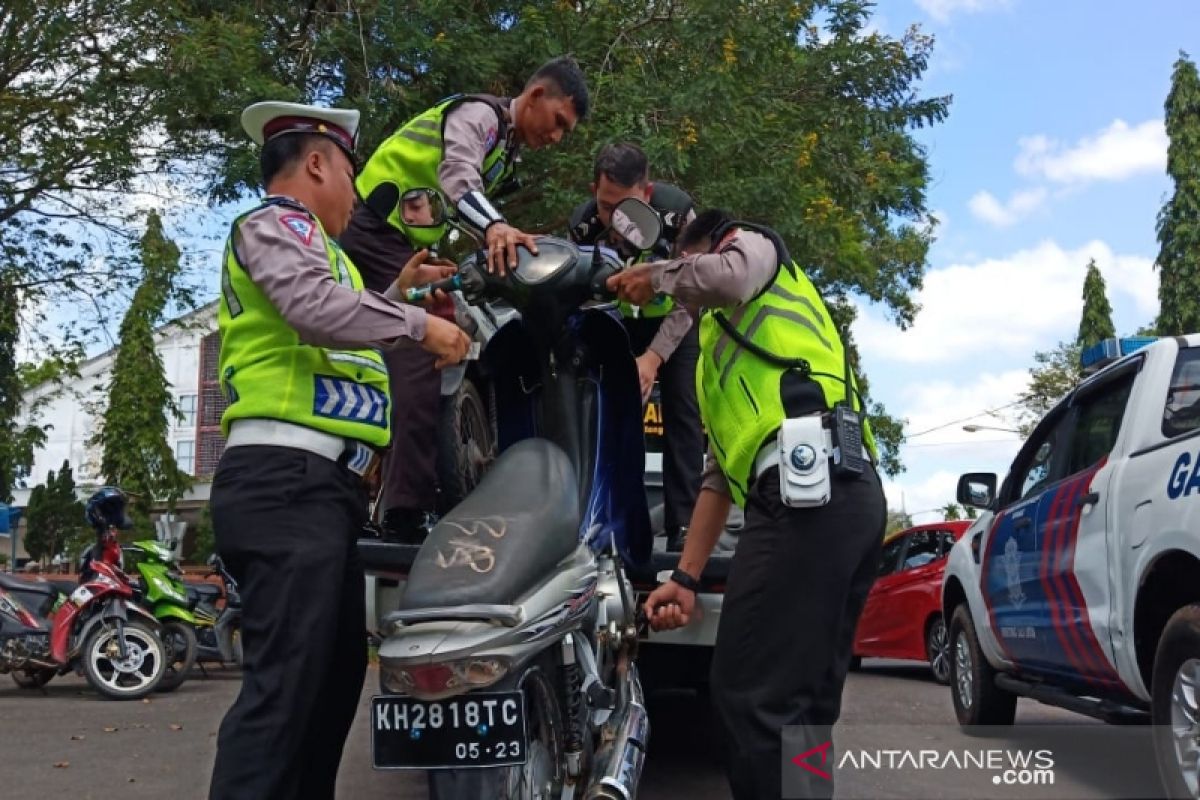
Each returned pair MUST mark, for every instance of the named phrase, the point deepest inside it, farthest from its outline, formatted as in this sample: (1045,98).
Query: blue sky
(1054,152)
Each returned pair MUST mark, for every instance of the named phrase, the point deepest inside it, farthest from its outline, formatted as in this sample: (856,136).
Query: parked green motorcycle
(163,592)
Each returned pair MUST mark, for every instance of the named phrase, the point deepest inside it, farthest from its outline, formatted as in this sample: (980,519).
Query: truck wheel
(977,698)
(466,443)
(1175,702)
(937,649)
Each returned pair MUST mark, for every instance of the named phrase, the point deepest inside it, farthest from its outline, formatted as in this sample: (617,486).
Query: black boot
(675,539)
(404,525)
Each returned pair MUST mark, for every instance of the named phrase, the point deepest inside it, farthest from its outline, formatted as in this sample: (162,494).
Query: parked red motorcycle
(96,630)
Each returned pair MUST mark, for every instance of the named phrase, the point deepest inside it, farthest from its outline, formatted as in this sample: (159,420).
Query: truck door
(1011,565)
(1074,531)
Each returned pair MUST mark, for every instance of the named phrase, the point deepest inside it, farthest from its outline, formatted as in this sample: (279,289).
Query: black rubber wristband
(685,580)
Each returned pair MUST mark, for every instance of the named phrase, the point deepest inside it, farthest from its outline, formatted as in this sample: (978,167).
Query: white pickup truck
(1079,585)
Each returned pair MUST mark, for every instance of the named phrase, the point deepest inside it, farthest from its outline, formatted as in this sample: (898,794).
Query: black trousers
(683,435)
(796,588)
(379,251)
(286,524)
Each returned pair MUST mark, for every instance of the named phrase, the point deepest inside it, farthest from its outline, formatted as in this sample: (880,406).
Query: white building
(189,348)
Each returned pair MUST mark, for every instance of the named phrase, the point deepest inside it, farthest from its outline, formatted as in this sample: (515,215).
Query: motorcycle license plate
(474,730)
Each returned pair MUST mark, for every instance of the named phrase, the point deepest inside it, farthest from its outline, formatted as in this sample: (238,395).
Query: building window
(185,455)
(187,406)
(212,405)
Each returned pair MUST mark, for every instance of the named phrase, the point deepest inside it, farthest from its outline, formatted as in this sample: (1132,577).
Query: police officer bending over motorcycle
(308,407)
(661,334)
(789,444)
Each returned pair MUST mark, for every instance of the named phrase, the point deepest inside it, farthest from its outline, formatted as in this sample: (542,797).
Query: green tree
(1096,324)
(133,434)
(204,544)
(81,101)
(952,512)
(971,512)
(1055,373)
(1179,220)
(18,439)
(897,521)
(812,132)
(54,517)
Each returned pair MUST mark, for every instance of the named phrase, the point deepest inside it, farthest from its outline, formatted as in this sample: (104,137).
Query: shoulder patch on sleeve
(300,225)
(489,141)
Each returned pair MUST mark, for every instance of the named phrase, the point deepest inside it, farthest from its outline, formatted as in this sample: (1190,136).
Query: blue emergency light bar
(1103,353)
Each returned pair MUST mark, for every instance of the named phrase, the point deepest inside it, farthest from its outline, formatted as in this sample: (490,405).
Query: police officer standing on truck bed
(661,333)
(466,146)
(308,406)
(776,395)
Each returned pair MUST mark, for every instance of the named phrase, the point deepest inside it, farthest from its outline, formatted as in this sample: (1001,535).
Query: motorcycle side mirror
(423,208)
(637,223)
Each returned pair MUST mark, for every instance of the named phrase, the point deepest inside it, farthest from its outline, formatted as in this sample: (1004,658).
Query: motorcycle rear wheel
(540,777)
(180,648)
(32,678)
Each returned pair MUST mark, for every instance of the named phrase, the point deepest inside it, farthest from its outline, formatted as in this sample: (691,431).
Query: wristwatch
(685,580)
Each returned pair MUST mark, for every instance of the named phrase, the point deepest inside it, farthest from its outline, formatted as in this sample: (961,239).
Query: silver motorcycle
(508,670)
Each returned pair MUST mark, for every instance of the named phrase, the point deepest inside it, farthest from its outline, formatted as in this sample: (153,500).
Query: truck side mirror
(977,489)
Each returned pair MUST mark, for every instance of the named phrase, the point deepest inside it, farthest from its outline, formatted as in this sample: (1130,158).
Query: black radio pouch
(847,435)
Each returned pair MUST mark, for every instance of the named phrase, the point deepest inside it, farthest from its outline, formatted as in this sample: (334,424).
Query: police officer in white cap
(308,409)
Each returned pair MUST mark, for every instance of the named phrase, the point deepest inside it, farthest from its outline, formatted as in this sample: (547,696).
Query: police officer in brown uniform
(308,408)
(789,444)
(467,147)
(661,334)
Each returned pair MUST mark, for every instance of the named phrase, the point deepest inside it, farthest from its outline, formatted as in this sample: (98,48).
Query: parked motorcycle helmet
(106,508)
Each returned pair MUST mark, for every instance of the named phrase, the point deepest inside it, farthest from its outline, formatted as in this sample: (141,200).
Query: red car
(903,614)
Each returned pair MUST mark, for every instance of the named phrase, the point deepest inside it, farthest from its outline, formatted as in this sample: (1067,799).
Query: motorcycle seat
(505,536)
(31,586)
(204,591)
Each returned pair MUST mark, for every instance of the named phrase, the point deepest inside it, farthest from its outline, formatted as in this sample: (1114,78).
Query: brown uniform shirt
(468,135)
(292,270)
(734,274)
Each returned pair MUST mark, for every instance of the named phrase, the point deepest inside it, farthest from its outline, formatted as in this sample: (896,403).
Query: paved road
(59,744)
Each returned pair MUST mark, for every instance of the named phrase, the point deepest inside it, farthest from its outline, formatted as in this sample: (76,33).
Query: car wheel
(937,649)
(1175,703)
(466,443)
(977,698)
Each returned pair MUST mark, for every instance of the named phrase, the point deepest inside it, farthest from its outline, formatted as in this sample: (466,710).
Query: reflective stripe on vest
(268,373)
(740,392)
(409,159)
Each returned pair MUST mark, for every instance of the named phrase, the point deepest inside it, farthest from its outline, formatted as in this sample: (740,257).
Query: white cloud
(942,10)
(935,458)
(1006,307)
(987,208)
(1115,153)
